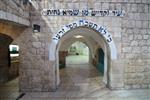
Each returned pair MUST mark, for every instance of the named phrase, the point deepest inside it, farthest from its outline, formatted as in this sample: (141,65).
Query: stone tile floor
(78,82)
(83,82)
(9,91)
(77,59)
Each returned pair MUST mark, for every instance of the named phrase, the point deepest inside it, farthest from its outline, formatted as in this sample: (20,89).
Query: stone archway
(100,31)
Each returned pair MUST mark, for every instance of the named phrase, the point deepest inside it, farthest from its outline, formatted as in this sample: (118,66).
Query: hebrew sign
(77,12)
(85,23)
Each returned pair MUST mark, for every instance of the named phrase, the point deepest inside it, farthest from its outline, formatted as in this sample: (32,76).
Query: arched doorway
(94,35)
(9,64)
(9,59)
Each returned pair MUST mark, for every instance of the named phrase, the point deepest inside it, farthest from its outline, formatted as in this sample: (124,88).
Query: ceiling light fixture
(78,36)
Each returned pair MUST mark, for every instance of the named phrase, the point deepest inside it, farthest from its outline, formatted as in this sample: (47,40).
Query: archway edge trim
(102,30)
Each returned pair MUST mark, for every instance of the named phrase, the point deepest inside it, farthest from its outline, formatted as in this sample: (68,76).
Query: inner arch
(78,54)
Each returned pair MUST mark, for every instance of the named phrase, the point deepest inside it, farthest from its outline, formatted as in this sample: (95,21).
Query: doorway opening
(79,69)
(9,66)
(83,58)
(94,36)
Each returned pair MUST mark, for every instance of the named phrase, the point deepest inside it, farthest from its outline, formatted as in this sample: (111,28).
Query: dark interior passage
(8,65)
(4,57)
(100,64)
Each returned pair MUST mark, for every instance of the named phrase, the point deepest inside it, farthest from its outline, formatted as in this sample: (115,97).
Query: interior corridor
(80,81)
(80,78)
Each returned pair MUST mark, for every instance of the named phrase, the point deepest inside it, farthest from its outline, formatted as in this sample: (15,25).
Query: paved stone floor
(77,59)
(78,82)
(9,91)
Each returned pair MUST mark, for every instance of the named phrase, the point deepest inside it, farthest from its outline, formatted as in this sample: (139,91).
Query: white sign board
(77,12)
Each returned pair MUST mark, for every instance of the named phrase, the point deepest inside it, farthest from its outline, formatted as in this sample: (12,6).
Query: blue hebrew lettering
(74,25)
(85,12)
(54,38)
(109,38)
(100,29)
(70,26)
(90,24)
(93,13)
(75,12)
(86,23)
(106,13)
(95,26)
(81,22)
(58,36)
(64,12)
(104,31)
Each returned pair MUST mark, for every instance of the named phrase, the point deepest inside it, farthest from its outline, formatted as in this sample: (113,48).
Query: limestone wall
(130,33)
(14,18)
(136,45)
(15,10)
(14,68)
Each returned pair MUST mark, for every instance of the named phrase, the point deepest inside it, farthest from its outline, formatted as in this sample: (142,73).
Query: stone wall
(36,73)
(14,19)
(136,44)
(13,68)
(15,10)
(130,34)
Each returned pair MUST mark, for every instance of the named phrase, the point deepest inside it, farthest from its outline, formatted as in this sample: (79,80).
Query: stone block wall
(40,76)
(36,71)
(14,18)
(15,10)
(130,33)
(13,68)
(136,44)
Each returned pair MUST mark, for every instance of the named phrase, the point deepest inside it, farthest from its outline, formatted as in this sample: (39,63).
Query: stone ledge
(14,18)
